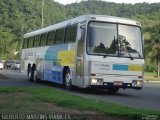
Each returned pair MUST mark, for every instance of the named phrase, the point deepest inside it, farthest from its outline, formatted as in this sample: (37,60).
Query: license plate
(117,83)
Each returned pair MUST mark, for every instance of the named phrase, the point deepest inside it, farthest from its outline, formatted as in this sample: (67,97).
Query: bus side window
(43,39)
(30,42)
(25,42)
(71,33)
(59,36)
(34,38)
(51,38)
(37,41)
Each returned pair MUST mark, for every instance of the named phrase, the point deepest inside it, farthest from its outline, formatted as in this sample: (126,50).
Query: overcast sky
(116,1)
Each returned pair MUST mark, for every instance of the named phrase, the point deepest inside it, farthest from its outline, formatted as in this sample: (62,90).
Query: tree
(8,44)
(155,49)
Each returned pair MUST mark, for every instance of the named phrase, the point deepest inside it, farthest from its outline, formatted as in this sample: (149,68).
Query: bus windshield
(114,40)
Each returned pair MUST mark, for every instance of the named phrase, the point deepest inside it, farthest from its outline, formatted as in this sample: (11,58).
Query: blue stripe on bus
(53,76)
(120,67)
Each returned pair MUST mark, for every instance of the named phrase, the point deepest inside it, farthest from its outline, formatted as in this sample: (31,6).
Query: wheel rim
(68,79)
(34,76)
(29,75)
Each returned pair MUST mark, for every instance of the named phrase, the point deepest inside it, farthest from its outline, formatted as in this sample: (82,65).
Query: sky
(116,1)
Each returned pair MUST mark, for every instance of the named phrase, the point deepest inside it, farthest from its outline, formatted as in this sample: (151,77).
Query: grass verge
(34,96)
(151,76)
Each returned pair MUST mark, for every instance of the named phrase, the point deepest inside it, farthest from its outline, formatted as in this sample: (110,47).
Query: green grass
(35,96)
(151,76)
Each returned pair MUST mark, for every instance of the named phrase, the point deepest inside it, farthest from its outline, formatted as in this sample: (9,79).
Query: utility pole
(42,11)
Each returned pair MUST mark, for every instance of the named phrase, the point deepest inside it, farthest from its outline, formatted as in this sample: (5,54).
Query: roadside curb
(150,81)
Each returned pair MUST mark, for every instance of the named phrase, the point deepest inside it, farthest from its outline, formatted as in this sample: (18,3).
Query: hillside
(20,16)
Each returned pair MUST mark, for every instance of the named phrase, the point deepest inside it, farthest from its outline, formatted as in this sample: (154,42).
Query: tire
(29,74)
(113,90)
(34,78)
(68,80)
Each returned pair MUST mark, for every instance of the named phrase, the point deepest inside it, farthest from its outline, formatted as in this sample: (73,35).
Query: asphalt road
(147,98)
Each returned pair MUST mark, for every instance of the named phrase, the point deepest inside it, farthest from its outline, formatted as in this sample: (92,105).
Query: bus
(89,51)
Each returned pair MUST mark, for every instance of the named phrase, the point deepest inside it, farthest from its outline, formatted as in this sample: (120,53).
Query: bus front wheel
(68,80)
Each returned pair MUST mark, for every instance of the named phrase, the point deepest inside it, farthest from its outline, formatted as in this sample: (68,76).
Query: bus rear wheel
(34,78)
(29,73)
(68,80)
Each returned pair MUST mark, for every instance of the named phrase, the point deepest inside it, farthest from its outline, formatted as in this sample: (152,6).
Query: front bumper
(107,85)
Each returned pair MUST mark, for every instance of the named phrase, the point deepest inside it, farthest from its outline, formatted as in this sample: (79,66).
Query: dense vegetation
(20,16)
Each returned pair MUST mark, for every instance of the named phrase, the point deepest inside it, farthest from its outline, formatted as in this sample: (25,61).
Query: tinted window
(59,36)
(71,34)
(102,38)
(51,37)
(37,41)
(25,42)
(30,42)
(130,41)
(43,39)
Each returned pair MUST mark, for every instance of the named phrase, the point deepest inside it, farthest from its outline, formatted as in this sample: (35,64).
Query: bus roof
(104,18)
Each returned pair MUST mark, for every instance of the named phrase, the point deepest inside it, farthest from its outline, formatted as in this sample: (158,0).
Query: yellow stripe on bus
(134,68)
(66,58)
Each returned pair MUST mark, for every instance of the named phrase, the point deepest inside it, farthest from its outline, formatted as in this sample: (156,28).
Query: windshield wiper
(105,56)
(130,55)
(139,54)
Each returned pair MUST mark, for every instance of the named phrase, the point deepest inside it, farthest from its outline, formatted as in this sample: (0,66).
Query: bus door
(80,54)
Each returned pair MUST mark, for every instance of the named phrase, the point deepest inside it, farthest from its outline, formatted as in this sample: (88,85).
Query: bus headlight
(96,81)
(93,81)
(137,83)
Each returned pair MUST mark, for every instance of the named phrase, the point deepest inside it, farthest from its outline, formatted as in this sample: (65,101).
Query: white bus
(90,51)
